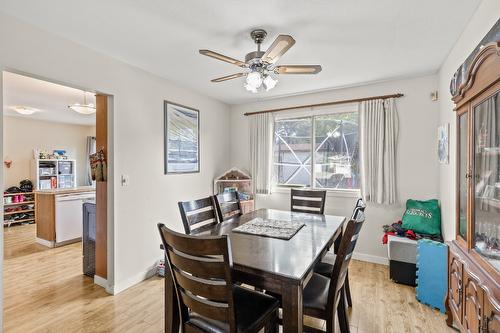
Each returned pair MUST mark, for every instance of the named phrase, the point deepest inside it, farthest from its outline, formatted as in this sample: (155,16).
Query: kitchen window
(319,151)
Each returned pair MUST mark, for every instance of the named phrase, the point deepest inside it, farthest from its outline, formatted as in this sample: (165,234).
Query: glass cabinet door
(463,170)
(487,179)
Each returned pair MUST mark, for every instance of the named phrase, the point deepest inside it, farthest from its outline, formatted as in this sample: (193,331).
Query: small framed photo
(443,143)
(181,139)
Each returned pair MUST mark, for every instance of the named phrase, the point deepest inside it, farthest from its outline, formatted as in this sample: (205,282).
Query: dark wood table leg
(291,296)
(171,306)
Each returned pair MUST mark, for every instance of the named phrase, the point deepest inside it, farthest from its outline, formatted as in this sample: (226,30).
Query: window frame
(312,115)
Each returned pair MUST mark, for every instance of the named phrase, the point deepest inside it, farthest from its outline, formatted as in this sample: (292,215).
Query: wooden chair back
(198,214)
(308,201)
(201,271)
(344,255)
(228,205)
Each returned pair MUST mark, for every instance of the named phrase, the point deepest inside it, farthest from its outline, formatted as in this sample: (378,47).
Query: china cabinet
(474,258)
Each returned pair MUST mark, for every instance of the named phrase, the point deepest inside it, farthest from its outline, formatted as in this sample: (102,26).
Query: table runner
(270,228)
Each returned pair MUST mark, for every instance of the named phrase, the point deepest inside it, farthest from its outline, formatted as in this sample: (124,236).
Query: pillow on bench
(423,217)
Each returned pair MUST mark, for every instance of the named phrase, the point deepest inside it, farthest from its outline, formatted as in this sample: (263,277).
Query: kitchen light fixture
(85,108)
(24,110)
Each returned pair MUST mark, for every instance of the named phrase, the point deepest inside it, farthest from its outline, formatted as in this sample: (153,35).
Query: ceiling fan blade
(229,77)
(222,57)
(297,69)
(280,45)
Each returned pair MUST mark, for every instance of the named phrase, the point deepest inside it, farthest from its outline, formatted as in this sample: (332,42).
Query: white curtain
(379,134)
(90,149)
(261,138)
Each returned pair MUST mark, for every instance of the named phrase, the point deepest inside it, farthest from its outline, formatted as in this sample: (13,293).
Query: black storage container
(89,239)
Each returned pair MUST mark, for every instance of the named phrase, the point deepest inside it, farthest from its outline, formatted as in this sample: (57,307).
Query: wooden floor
(45,291)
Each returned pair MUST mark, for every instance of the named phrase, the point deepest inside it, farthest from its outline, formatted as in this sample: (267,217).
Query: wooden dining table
(282,267)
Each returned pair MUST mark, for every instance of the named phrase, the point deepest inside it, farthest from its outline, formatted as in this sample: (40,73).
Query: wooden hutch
(473,301)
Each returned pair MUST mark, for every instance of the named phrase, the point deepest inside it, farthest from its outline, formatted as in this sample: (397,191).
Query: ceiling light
(257,79)
(25,110)
(85,108)
(269,82)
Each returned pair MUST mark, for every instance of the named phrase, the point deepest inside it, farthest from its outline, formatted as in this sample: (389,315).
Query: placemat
(270,228)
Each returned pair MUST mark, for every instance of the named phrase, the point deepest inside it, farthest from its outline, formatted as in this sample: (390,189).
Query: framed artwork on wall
(181,139)
(443,143)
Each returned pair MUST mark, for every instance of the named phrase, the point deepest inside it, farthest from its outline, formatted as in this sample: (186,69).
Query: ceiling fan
(262,65)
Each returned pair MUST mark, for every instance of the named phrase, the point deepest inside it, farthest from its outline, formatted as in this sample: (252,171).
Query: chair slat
(207,267)
(206,308)
(190,206)
(210,246)
(230,207)
(215,290)
(308,193)
(307,203)
(201,217)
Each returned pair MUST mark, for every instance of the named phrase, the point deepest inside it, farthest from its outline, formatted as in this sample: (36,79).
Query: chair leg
(342,314)
(348,290)
(273,325)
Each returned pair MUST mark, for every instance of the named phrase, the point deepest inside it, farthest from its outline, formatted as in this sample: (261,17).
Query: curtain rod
(327,103)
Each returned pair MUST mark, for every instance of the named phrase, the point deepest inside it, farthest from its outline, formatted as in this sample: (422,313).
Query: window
(319,151)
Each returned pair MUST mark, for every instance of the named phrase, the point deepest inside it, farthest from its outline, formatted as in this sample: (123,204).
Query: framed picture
(443,143)
(181,139)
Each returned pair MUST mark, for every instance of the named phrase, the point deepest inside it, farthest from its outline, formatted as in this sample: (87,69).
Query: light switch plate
(125,180)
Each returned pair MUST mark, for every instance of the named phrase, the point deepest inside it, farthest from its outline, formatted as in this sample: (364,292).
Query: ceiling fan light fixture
(262,64)
(270,82)
(254,79)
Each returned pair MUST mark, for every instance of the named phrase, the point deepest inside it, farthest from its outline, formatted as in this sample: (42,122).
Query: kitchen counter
(79,189)
(59,214)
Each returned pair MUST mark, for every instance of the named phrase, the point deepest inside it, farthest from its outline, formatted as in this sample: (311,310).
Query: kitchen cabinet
(59,215)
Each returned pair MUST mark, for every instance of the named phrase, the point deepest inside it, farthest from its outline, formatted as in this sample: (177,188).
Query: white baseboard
(100,281)
(121,286)
(45,242)
(370,258)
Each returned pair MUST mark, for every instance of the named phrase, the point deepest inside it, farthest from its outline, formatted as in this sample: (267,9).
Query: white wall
(484,18)
(417,166)
(22,134)
(137,139)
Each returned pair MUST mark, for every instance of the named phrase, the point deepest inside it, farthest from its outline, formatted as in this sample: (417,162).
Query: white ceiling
(51,99)
(356,41)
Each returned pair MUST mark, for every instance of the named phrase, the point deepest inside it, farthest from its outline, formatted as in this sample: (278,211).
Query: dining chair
(323,296)
(198,215)
(325,266)
(201,270)
(308,201)
(228,205)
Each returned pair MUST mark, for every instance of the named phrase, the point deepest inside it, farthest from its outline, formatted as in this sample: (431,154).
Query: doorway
(54,207)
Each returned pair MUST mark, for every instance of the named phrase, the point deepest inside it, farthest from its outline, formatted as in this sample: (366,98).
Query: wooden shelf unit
(9,214)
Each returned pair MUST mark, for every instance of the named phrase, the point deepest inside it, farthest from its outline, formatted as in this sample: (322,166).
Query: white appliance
(69,215)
